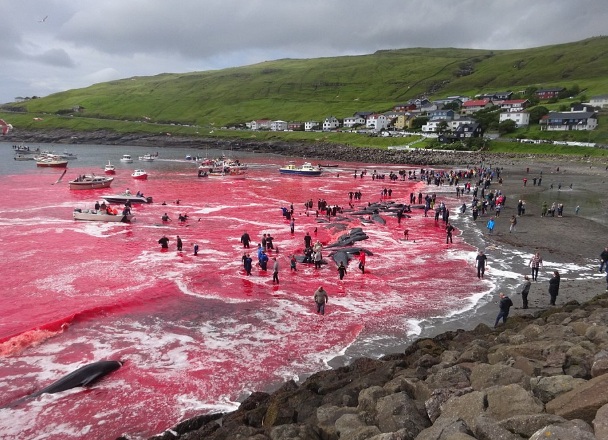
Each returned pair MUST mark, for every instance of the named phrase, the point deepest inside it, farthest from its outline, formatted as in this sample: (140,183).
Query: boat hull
(123,198)
(52,163)
(98,216)
(301,172)
(92,185)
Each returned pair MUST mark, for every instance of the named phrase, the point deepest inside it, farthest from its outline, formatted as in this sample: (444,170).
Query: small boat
(101,216)
(51,160)
(20,156)
(126,197)
(67,155)
(307,169)
(91,181)
(147,158)
(139,174)
(109,168)
(126,158)
(328,165)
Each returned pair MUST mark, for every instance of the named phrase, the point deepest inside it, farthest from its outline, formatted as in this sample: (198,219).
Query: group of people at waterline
(484,200)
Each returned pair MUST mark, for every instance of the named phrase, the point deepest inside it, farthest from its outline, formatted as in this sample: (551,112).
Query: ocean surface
(197,334)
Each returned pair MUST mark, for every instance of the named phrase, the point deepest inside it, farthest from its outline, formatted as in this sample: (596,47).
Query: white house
(565,121)
(599,101)
(261,124)
(330,123)
(278,125)
(311,125)
(521,119)
(351,121)
(377,122)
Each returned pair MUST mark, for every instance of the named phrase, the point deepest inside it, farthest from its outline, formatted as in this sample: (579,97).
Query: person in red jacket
(362,261)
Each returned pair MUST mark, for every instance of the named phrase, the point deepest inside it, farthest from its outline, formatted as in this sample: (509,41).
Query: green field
(199,103)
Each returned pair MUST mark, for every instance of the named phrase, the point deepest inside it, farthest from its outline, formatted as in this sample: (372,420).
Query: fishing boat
(20,156)
(67,155)
(101,216)
(109,168)
(91,181)
(126,158)
(51,160)
(127,197)
(139,174)
(147,158)
(306,169)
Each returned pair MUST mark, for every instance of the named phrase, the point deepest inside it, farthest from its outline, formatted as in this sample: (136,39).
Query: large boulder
(434,403)
(467,407)
(600,423)
(451,377)
(548,388)
(554,432)
(583,401)
(599,363)
(399,412)
(446,428)
(353,427)
(527,424)
(486,428)
(486,375)
(290,432)
(511,400)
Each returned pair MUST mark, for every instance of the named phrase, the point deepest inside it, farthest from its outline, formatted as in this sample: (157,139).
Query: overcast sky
(55,45)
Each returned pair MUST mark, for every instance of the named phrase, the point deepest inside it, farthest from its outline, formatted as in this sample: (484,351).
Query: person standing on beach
(321,298)
(504,305)
(536,262)
(513,222)
(307,240)
(490,225)
(245,239)
(481,261)
(293,263)
(275,271)
(525,290)
(179,244)
(554,287)
(449,229)
(195,249)
(164,242)
(341,270)
(362,261)
(247,263)
(604,259)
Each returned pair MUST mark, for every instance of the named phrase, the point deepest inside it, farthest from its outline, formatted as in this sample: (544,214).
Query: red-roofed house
(475,105)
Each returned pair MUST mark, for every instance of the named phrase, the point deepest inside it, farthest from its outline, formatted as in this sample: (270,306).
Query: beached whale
(82,377)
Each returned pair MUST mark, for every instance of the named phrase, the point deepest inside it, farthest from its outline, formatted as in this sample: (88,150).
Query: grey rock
(467,407)
(600,423)
(399,412)
(486,375)
(292,432)
(548,388)
(554,432)
(511,400)
(527,424)
(452,377)
(445,428)
(486,428)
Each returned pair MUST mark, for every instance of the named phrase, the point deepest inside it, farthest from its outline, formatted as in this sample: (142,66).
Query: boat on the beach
(126,158)
(109,168)
(51,160)
(91,181)
(147,158)
(127,197)
(139,174)
(101,216)
(306,169)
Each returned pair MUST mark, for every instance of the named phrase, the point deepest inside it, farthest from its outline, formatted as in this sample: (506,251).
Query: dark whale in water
(82,377)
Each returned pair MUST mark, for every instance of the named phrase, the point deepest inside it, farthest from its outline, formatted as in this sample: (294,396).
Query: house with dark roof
(463,132)
(599,101)
(514,104)
(548,93)
(567,121)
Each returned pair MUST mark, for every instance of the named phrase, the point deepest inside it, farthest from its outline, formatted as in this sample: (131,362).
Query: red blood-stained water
(198,334)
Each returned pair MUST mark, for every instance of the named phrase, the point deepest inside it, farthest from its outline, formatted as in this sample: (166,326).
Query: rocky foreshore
(540,376)
(309,150)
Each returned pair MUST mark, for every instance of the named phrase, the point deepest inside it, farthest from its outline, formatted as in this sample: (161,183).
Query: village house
(404,121)
(294,126)
(463,132)
(475,105)
(330,123)
(452,125)
(521,118)
(599,101)
(548,93)
(351,121)
(404,107)
(278,125)
(311,125)
(377,122)
(261,124)
(514,104)
(442,115)
(578,119)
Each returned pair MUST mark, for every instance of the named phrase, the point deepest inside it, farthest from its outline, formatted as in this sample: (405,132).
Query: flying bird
(43,20)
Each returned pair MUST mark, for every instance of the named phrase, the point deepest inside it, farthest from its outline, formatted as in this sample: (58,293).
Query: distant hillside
(314,88)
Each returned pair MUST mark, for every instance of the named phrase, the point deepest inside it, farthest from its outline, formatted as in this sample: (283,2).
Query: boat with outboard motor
(306,169)
(139,174)
(51,160)
(101,215)
(147,158)
(91,181)
(126,158)
(127,197)
(109,168)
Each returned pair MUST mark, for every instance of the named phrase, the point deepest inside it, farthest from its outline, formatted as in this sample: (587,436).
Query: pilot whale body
(82,377)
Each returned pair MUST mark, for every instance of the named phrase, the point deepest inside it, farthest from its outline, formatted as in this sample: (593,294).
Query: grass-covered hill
(314,88)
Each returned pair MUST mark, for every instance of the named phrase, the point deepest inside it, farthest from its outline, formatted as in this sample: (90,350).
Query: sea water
(198,334)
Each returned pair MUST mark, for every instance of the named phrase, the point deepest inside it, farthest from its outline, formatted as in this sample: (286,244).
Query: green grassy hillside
(314,88)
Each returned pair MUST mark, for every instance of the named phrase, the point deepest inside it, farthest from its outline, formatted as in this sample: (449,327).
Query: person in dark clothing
(164,242)
(342,270)
(481,261)
(525,290)
(448,231)
(307,240)
(247,263)
(554,287)
(179,243)
(603,259)
(504,305)
(245,239)
(195,249)
(264,261)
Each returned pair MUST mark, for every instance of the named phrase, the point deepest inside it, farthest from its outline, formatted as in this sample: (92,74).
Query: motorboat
(67,155)
(126,158)
(127,197)
(306,169)
(51,160)
(20,156)
(109,168)
(147,158)
(91,181)
(139,174)
(101,215)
